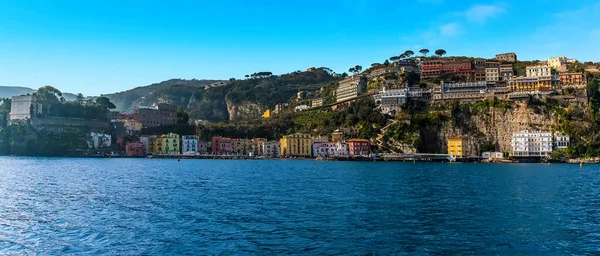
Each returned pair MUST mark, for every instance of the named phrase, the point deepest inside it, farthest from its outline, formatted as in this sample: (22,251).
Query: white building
(532,143)
(561,141)
(189,144)
(271,149)
(391,99)
(338,149)
(557,62)
(350,88)
(301,108)
(492,155)
(317,102)
(539,71)
(99,140)
(147,140)
(492,75)
(20,108)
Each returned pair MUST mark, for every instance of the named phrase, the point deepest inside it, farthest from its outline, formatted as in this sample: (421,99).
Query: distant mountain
(149,94)
(10,91)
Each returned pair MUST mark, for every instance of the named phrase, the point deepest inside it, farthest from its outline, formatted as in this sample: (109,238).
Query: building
(479,63)
(20,107)
(204,147)
(382,71)
(492,64)
(432,68)
(508,57)
(147,141)
(539,71)
(557,62)
(316,102)
(270,149)
(460,91)
(350,88)
(529,84)
(267,114)
(243,146)
(257,146)
(222,146)
(296,145)
(113,115)
(462,68)
(561,141)
(531,144)
(153,116)
(330,149)
(506,72)
(359,147)
(301,108)
(280,107)
(99,140)
(390,100)
(132,126)
(456,147)
(169,144)
(479,75)
(492,75)
(492,155)
(135,148)
(572,79)
(189,144)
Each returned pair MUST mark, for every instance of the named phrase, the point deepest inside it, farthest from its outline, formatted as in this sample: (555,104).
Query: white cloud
(481,13)
(450,29)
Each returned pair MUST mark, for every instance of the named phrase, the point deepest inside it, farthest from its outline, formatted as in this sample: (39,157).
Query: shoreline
(344,159)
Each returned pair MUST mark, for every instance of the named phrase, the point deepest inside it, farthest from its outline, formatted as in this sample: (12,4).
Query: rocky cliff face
(495,126)
(245,110)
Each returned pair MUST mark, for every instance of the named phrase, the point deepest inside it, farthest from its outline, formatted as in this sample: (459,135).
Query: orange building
(432,68)
(572,79)
(359,147)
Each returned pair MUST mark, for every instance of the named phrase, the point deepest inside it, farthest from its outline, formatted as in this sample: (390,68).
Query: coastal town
(391,85)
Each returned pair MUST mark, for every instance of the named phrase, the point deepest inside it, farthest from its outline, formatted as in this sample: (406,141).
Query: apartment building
(327,149)
(134,148)
(350,88)
(542,84)
(297,144)
(153,116)
(539,71)
(557,63)
(506,72)
(189,144)
(270,149)
(221,146)
(317,102)
(462,68)
(431,68)
(492,75)
(456,147)
(460,91)
(508,57)
(359,147)
(390,100)
(561,141)
(572,79)
(532,144)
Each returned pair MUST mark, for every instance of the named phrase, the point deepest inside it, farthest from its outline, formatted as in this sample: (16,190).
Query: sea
(58,206)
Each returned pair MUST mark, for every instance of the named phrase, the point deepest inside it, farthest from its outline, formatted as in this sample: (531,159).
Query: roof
(358,140)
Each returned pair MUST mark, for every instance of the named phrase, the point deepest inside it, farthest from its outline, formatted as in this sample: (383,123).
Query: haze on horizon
(110,46)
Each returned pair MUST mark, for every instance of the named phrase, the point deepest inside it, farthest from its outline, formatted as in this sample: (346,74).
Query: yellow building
(455,146)
(169,144)
(520,84)
(296,144)
(267,114)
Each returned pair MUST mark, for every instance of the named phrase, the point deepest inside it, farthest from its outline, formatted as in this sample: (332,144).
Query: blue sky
(107,46)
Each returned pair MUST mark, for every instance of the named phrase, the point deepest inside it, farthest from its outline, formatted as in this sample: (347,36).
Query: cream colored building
(492,75)
(20,108)
(350,88)
(539,71)
(557,62)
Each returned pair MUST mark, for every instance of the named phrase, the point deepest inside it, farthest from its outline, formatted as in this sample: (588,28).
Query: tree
(394,58)
(231,79)
(424,52)
(402,56)
(409,53)
(375,64)
(386,63)
(80,97)
(440,52)
(358,69)
(47,96)
(247,76)
(104,101)
(352,70)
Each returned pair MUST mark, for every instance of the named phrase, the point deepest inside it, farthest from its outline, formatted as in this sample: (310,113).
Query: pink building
(359,147)
(222,145)
(135,148)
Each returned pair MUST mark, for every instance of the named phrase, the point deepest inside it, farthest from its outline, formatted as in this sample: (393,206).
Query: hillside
(148,94)
(236,99)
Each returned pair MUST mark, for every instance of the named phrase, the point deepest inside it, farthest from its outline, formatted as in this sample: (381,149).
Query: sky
(105,46)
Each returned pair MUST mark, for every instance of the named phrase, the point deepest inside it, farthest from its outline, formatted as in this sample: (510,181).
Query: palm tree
(402,56)
(409,53)
(357,69)
(394,58)
(440,52)
(424,52)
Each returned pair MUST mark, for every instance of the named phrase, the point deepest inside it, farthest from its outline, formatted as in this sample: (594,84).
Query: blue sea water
(206,207)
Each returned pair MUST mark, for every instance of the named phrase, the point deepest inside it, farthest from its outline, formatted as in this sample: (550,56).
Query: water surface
(157,207)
